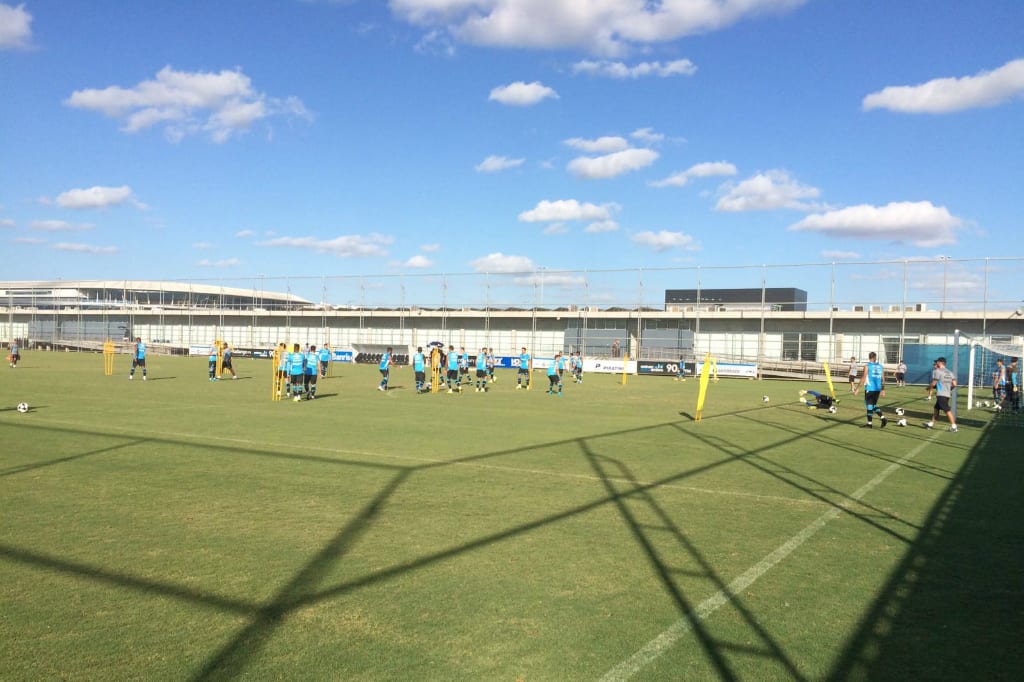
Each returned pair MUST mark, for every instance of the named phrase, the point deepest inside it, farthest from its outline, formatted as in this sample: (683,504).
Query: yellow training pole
(625,364)
(219,346)
(275,377)
(705,376)
(108,357)
(828,378)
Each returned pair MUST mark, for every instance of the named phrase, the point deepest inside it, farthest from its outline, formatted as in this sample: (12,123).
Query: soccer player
(420,368)
(901,373)
(14,355)
(817,400)
(213,362)
(463,366)
(555,375)
(310,374)
(481,371)
(681,369)
(853,374)
(999,381)
(324,356)
(491,362)
(225,362)
(138,359)
(385,370)
(282,367)
(453,370)
(525,365)
(943,382)
(873,383)
(1013,384)
(296,369)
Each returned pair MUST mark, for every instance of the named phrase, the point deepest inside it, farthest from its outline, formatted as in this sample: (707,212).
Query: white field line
(660,644)
(590,478)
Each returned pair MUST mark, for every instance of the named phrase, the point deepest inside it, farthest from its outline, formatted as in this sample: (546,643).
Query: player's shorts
(871,397)
(942,403)
(138,362)
(226,363)
(384,372)
(553,379)
(421,376)
(524,371)
(900,376)
(481,373)
(323,367)
(296,378)
(453,374)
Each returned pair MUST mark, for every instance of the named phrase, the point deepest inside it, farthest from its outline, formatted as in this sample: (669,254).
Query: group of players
(1005,392)
(872,383)
(297,370)
(453,369)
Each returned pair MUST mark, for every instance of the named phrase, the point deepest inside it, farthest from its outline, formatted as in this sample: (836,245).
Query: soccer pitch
(181,529)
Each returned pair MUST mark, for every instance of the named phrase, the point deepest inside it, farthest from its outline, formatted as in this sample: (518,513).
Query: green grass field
(180,529)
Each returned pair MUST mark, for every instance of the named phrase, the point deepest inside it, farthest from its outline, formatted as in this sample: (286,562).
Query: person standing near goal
(853,374)
(873,383)
(1013,385)
(943,381)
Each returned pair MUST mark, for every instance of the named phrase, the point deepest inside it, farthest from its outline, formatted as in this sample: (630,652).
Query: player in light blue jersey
(555,375)
(225,362)
(525,366)
(324,357)
(385,370)
(873,384)
(481,371)
(576,367)
(138,359)
(212,359)
(419,367)
(491,362)
(296,371)
(310,373)
(453,371)
(463,366)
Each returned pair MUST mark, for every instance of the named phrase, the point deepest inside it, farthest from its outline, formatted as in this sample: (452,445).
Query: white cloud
(608,27)
(647,135)
(555,228)
(493,164)
(600,145)
(97,197)
(520,94)
(609,69)
(225,263)
(430,248)
(84,248)
(945,95)
(769,190)
(218,104)
(15,27)
(840,255)
(346,246)
(28,240)
(500,263)
(245,233)
(566,209)
(601,226)
(916,222)
(58,226)
(700,170)
(6,222)
(419,262)
(612,165)
(665,240)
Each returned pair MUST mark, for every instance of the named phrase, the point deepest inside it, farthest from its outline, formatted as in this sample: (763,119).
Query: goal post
(983,355)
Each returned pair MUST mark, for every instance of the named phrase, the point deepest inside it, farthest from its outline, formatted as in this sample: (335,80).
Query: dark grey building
(775,298)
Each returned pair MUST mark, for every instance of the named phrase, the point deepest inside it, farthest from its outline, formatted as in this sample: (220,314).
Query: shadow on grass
(622,491)
(953,609)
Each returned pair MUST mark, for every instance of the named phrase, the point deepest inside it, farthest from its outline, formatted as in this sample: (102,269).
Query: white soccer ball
(22,407)
(998,407)
(764,399)
(901,422)
(900,412)
(832,409)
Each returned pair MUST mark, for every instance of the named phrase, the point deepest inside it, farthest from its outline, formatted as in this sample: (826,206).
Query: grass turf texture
(183,529)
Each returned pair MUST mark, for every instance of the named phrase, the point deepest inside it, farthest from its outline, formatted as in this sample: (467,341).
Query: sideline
(660,644)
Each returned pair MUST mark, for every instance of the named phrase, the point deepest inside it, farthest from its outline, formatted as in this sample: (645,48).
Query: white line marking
(660,644)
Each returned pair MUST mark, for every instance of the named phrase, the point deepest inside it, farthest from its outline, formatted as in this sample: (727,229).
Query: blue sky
(232,139)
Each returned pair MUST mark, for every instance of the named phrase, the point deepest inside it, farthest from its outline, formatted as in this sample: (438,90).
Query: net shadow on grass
(22,468)
(717,651)
(303,589)
(953,608)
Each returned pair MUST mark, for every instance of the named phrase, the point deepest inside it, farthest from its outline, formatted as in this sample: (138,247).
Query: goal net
(983,368)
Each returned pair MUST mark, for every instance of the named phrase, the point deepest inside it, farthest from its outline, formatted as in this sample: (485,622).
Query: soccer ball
(764,399)
(900,412)
(22,407)
(832,409)
(998,407)
(901,422)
